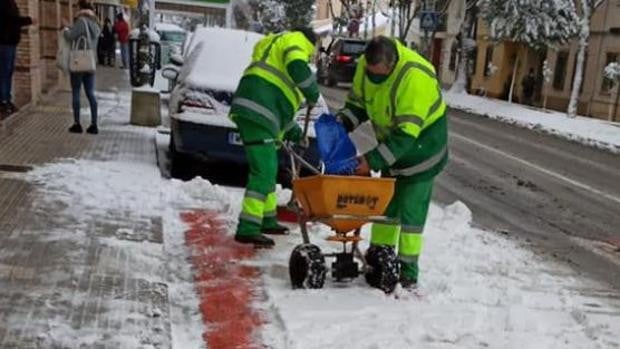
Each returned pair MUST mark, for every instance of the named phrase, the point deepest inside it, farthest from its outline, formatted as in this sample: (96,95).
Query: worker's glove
(345,122)
(294,135)
(304,142)
(363,168)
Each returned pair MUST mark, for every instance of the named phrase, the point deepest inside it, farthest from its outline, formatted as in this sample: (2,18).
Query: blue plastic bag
(337,151)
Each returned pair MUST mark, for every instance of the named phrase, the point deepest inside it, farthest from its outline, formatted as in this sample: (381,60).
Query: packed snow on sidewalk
(593,132)
(478,288)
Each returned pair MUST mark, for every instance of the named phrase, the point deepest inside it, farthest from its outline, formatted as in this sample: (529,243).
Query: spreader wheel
(384,268)
(307,267)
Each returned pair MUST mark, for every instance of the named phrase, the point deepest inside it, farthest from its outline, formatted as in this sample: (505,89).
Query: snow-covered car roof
(216,58)
(169,27)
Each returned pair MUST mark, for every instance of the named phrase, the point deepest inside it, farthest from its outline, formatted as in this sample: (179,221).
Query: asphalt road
(559,198)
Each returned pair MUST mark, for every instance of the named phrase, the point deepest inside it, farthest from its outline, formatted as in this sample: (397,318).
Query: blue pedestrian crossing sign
(429,20)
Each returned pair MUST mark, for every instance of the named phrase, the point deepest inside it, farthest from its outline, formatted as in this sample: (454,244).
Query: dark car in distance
(338,61)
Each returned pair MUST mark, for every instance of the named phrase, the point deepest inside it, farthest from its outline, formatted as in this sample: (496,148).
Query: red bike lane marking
(226,288)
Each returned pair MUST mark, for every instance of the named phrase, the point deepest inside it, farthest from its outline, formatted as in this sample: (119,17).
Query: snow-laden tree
(467,44)
(612,73)
(587,10)
(405,12)
(299,13)
(267,16)
(535,23)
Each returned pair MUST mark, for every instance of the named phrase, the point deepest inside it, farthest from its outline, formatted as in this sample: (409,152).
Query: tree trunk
(374,20)
(514,78)
(546,94)
(578,73)
(613,116)
(460,84)
(393,19)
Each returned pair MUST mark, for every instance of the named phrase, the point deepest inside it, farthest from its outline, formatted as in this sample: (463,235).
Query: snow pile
(594,132)
(478,290)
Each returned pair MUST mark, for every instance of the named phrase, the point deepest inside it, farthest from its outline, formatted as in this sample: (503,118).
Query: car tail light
(344,59)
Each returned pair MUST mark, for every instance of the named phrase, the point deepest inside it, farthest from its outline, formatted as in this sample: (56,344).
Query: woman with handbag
(83,36)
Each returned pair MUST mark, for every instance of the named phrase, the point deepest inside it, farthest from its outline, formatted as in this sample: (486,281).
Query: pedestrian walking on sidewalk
(106,45)
(528,84)
(397,90)
(84,26)
(10,36)
(121,29)
(264,106)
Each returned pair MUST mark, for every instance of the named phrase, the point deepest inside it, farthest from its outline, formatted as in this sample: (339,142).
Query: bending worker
(398,91)
(264,106)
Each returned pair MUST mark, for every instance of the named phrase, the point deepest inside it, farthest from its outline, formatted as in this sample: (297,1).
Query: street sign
(429,20)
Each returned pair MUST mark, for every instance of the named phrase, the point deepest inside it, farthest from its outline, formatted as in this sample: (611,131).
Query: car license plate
(234,138)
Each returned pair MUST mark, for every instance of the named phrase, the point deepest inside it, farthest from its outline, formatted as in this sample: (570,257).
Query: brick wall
(27,82)
(35,66)
(49,26)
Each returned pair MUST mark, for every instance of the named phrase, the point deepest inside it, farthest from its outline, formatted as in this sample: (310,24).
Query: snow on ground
(594,132)
(478,288)
(123,191)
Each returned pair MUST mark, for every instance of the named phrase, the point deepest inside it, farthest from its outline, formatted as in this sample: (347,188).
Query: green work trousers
(409,206)
(258,208)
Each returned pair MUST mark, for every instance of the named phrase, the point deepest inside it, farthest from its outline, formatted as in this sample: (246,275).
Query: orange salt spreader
(345,204)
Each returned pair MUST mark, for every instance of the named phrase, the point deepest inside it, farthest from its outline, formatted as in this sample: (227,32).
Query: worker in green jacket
(398,91)
(269,95)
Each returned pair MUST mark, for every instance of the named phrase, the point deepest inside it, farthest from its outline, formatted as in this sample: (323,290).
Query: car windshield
(353,48)
(172,36)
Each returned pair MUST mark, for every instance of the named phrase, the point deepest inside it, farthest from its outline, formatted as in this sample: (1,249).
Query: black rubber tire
(384,268)
(307,268)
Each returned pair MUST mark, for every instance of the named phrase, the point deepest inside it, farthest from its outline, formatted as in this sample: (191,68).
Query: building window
(608,84)
(488,58)
(559,73)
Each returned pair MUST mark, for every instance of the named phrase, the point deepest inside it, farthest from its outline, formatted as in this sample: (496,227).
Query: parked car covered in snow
(213,65)
(172,37)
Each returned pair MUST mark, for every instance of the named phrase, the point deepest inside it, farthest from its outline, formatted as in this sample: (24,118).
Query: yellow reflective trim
(436,116)
(271,202)
(384,234)
(253,207)
(410,128)
(410,244)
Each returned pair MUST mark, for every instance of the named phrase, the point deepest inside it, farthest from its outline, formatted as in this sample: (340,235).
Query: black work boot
(76,128)
(277,230)
(259,241)
(408,284)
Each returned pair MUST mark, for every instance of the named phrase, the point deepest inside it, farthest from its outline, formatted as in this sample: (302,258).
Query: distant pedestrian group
(83,44)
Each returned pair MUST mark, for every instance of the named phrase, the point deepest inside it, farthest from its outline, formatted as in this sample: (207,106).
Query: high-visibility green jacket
(274,85)
(408,114)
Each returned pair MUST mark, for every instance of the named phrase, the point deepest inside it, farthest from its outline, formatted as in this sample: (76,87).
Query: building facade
(596,97)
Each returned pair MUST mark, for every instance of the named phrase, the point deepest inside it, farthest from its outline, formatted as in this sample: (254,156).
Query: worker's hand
(363,169)
(304,142)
